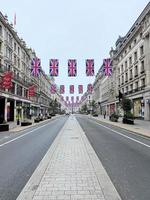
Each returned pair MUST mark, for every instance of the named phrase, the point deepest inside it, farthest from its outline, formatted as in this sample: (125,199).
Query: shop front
(138,108)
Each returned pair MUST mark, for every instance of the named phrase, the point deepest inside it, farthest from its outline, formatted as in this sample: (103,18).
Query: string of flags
(72,67)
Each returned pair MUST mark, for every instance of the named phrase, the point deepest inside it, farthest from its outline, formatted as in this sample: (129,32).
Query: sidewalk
(70,170)
(13,127)
(140,126)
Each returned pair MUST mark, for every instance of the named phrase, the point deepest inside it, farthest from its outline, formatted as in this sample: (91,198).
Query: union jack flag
(62,98)
(90,67)
(67,98)
(80,88)
(53,89)
(71,89)
(77,98)
(72,99)
(107,63)
(90,88)
(54,67)
(62,89)
(72,67)
(35,67)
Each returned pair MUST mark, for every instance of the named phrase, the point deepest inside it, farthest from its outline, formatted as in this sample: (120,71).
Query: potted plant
(114,117)
(4,126)
(128,117)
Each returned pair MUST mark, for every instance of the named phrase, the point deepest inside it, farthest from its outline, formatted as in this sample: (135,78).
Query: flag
(72,67)
(31,91)
(72,99)
(54,67)
(80,88)
(67,98)
(62,98)
(35,67)
(62,89)
(6,81)
(107,63)
(14,20)
(90,67)
(90,88)
(71,89)
(53,89)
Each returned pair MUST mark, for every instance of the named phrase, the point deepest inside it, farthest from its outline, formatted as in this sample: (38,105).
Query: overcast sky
(78,29)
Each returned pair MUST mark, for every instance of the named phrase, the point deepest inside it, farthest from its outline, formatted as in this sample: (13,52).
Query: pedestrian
(105,114)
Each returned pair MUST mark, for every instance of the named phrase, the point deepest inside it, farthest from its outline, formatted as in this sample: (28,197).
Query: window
(136,71)
(1,31)
(131,87)
(134,41)
(15,46)
(18,51)
(141,34)
(122,80)
(126,77)
(135,56)
(141,50)
(129,47)
(131,74)
(142,67)
(126,65)
(130,60)
(122,68)
(118,70)
(136,85)
(143,82)
(123,90)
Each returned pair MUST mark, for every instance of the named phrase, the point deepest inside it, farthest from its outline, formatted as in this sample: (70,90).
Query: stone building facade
(16,57)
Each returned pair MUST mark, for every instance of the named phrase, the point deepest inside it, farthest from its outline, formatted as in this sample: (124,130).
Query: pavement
(70,170)
(13,127)
(141,127)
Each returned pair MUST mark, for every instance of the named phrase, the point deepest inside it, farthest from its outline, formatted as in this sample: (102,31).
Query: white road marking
(137,141)
(1,145)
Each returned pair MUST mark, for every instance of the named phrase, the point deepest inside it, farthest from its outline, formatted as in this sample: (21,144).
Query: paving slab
(70,170)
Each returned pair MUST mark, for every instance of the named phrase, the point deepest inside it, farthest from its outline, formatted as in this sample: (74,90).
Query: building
(131,71)
(131,65)
(16,57)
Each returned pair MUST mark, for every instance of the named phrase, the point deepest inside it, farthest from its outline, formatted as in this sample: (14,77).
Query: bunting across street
(90,67)
(90,88)
(53,89)
(62,89)
(35,67)
(71,89)
(54,63)
(72,67)
(67,98)
(80,89)
(107,67)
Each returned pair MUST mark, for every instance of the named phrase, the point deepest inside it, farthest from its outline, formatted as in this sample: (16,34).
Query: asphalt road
(125,156)
(20,157)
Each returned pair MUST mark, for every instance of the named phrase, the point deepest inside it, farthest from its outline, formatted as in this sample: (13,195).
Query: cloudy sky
(78,29)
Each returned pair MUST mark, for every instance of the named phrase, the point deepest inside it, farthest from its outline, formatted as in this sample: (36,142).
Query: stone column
(5,111)
(15,110)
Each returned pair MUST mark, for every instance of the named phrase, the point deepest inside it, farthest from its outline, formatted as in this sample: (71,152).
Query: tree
(84,108)
(126,105)
(54,106)
(93,105)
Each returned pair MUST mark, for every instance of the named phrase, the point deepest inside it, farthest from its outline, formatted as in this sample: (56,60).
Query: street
(125,156)
(20,157)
